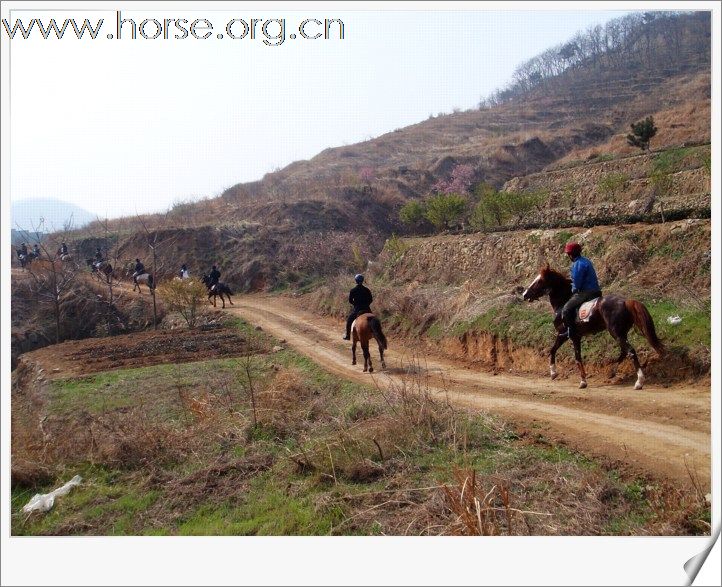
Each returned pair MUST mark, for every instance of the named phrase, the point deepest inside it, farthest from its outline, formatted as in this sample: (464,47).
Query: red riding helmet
(573,249)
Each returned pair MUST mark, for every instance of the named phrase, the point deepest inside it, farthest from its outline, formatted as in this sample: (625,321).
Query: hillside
(333,212)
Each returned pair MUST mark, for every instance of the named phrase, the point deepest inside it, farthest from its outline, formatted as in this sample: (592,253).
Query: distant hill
(570,104)
(52,213)
(25,236)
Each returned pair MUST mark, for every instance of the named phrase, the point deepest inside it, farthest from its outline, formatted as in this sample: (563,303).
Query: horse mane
(554,277)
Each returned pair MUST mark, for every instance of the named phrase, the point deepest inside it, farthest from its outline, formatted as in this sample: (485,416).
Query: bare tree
(52,278)
(155,242)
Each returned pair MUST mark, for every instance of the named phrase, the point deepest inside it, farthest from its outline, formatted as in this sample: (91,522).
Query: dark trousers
(355,313)
(569,311)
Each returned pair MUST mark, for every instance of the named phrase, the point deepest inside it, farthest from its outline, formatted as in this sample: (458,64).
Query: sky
(121,127)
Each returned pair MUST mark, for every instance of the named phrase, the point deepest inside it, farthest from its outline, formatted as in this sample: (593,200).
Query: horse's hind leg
(640,374)
(367,357)
(353,349)
(381,352)
(223,302)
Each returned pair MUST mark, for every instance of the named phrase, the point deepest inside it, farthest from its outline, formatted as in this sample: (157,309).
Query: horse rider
(139,269)
(23,250)
(360,298)
(36,251)
(214,277)
(585,286)
(63,250)
(98,259)
(184,274)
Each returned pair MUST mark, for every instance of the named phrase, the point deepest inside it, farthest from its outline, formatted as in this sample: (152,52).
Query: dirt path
(659,431)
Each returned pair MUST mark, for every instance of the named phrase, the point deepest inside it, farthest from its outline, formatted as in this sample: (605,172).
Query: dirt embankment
(460,294)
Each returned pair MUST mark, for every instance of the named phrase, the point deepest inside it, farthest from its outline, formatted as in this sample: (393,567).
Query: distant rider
(23,250)
(360,298)
(36,251)
(214,277)
(585,286)
(98,259)
(63,250)
(184,274)
(139,269)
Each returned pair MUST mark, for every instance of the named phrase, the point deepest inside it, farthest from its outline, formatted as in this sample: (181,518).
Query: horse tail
(375,325)
(643,321)
(229,292)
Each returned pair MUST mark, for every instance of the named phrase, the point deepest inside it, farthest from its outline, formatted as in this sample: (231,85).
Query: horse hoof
(553,376)
(353,362)
(583,385)
(371,369)
(365,370)
(383,365)
(638,385)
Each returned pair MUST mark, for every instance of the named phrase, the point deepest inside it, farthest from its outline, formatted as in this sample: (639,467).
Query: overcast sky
(123,126)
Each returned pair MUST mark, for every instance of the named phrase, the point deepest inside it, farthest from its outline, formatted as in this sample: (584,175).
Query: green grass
(531,325)
(282,499)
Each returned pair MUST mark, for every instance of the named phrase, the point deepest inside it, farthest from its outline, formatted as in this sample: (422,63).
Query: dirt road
(659,431)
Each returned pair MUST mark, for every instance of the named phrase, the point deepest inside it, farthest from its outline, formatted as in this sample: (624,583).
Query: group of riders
(585,287)
(99,259)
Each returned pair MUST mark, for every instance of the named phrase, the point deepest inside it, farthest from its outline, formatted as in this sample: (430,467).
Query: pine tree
(642,133)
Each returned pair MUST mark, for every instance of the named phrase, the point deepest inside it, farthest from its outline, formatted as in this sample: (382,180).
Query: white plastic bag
(674,320)
(44,502)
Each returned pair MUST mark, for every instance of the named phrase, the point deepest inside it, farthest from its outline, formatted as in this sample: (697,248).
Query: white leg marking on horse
(583,384)
(553,371)
(640,380)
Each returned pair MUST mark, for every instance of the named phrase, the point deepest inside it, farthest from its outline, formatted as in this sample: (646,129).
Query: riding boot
(349,322)
(571,331)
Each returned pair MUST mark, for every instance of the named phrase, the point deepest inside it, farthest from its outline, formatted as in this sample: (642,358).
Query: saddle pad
(586,309)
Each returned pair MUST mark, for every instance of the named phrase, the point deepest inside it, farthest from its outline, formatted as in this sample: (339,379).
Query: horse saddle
(587,309)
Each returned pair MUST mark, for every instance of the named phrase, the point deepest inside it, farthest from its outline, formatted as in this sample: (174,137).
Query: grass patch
(296,451)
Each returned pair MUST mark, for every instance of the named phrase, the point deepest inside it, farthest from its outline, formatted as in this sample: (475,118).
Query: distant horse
(217,290)
(100,269)
(612,313)
(25,260)
(145,278)
(364,328)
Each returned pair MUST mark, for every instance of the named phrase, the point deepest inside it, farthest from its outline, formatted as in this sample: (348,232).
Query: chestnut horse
(613,313)
(364,328)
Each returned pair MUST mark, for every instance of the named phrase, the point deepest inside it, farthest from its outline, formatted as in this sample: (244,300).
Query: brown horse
(363,329)
(103,268)
(612,313)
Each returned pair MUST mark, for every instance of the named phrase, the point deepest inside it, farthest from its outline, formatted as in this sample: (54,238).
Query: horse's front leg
(558,341)
(223,301)
(578,356)
(353,350)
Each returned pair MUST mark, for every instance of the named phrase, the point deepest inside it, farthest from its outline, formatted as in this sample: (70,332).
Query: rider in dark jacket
(98,257)
(585,286)
(139,269)
(23,250)
(214,276)
(360,298)
(36,251)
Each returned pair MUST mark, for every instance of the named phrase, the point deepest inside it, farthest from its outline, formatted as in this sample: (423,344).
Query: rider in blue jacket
(585,286)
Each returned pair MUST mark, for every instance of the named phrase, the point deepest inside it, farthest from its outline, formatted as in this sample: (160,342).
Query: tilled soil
(80,357)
